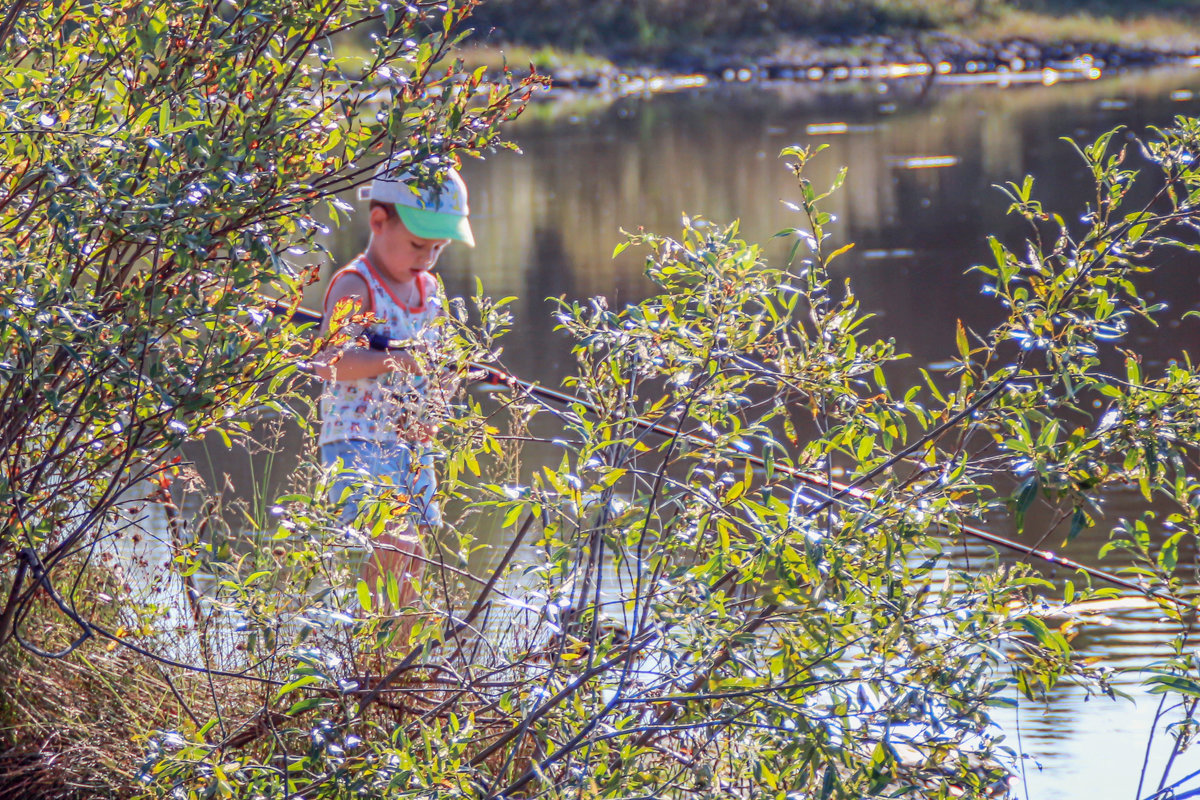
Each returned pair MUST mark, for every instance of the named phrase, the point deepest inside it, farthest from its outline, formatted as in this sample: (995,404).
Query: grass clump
(76,727)
(1164,31)
(544,58)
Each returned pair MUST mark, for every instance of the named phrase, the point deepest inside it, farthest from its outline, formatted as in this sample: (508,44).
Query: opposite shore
(858,58)
(1006,43)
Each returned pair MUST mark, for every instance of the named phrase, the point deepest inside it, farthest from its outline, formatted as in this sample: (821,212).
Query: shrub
(164,167)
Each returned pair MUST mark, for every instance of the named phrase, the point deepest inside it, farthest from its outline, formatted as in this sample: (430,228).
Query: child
(377,413)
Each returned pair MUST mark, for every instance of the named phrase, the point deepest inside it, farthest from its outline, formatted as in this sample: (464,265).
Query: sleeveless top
(372,409)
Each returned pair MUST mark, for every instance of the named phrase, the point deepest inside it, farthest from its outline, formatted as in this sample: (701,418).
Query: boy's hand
(321,369)
(354,362)
(418,432)
(402,361)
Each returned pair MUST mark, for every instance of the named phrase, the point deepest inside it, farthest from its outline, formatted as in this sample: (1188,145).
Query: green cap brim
(436,224)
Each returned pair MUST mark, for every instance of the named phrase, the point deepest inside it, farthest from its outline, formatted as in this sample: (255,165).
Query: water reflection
(549,220)
(141,545)
(919,202)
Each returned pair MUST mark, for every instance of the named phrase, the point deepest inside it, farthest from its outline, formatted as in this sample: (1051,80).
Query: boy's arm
(351,361)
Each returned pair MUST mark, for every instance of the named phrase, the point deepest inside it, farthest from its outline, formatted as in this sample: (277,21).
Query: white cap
(432,209)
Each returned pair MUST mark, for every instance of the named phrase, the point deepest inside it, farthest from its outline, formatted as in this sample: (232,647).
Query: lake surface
(547,222)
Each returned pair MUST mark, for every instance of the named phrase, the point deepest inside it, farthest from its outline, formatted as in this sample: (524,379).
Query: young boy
(378,409)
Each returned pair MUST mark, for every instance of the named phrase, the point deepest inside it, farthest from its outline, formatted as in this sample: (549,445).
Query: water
(919,202)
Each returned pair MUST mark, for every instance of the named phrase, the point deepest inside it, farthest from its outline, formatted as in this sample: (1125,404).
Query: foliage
(689,32)
(645,24)
(1107,7)
(689,604)
(164,165)
(650,27)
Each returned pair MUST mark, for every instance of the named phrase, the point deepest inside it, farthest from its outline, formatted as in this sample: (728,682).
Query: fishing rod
(496,376)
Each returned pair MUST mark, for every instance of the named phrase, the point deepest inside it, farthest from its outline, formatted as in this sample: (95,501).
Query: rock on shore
(834,58)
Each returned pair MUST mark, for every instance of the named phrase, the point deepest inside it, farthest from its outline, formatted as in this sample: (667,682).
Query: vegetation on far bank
(674,33)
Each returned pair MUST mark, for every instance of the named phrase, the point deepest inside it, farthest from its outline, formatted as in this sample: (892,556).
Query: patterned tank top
(374,409)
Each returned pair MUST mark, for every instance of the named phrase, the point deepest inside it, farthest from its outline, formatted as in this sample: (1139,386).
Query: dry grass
(77,727)
(70,728)
(545,59)
(1157,31)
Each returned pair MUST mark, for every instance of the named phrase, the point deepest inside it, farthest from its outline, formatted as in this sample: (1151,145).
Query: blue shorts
(370,469)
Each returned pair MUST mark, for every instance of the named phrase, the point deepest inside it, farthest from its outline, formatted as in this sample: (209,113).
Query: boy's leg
(399,550)
(351,464)
(406,473)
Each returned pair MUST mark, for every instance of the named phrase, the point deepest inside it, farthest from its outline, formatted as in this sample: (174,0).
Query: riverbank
(956,59)
(1012,41)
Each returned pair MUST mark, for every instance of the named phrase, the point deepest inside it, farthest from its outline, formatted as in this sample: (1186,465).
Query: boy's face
(399,253)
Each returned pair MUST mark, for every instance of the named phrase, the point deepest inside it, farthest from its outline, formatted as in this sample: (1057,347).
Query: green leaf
(610,478)
(827,784)
(299,683)
(866,446)
(1024,499)
(1048,639)
(1160,684)
(843,249)
(512,515)
(143,119)
(309,703)
(998,252)
(1079,521)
